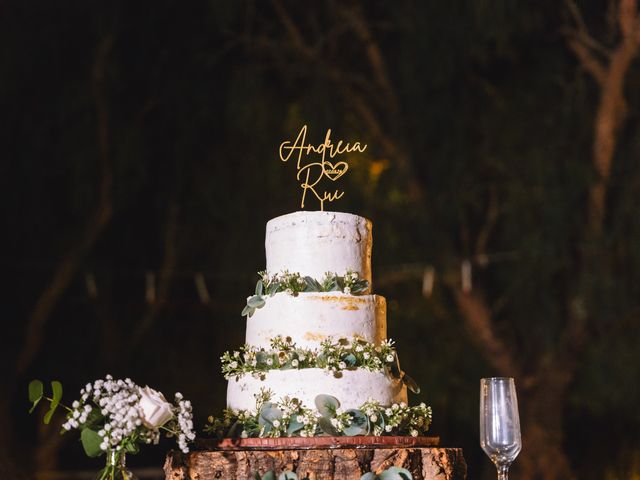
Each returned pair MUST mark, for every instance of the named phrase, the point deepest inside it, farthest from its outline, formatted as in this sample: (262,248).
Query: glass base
(116,468)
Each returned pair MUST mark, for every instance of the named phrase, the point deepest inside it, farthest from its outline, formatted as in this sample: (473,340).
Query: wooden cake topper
(311,174)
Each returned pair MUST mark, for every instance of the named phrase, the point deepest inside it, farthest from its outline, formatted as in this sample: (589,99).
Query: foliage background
(181,107)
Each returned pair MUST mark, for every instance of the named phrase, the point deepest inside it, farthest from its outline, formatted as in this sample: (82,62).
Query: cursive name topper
(310,174)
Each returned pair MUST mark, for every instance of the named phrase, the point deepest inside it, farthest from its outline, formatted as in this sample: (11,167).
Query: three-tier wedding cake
(313,326)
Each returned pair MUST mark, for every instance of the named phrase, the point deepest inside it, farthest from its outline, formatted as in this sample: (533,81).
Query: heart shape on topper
(335,171)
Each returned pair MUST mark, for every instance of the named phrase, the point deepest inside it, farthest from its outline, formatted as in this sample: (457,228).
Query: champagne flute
(499,423)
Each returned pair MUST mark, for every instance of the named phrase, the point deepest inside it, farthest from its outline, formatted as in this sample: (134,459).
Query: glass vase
(116,467)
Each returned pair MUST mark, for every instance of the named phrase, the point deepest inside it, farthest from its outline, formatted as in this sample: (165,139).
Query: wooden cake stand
(317,458)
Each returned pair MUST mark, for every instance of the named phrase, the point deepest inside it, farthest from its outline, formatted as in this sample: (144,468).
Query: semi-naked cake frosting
(312,244)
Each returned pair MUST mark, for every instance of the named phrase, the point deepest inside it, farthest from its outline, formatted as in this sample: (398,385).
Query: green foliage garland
(294,283)
(333,355)
(289,418)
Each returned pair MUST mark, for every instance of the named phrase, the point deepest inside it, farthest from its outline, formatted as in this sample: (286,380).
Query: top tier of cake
(313,243)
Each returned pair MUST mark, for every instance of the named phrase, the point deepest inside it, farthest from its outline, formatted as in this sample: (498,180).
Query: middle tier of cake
(351,387)
(309,318)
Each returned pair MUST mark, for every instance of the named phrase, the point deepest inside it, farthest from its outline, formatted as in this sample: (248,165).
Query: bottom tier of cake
(352,388)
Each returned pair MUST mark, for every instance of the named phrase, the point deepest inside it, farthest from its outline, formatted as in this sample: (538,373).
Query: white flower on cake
(346,290)
(389,358)
(294,363)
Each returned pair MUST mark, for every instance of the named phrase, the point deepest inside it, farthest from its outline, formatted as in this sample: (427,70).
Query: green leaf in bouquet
(395,473)
(56,388)
(91,442)
(94,417)
(269,476)
(287,475)
(327,427)
(36,391)
(132,448)
(259,288)
(359,423)
(256,301)
(327,405)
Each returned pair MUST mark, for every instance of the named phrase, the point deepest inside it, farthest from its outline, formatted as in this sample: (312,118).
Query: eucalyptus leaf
(36,391)
(294,427)
(395,473)
(247,311)
(269,413)
(49,414)
(256,301)
(91,442)
(327,405)
(56,388)
(269,475)
(259,288)
(327,427)
(359,423)
(349,359)
(233,431)
(262,357)
(287,475)
(273,288)
(312,285)
(410,383)
(368,476)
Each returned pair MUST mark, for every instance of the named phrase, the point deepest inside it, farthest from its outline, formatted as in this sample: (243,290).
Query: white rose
(155,411)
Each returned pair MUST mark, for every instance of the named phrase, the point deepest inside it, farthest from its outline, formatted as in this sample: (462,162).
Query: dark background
(140,138)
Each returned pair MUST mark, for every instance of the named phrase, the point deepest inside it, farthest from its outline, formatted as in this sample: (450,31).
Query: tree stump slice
(326,462)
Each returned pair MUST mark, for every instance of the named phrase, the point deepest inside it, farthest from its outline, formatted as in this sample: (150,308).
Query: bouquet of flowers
(115,417)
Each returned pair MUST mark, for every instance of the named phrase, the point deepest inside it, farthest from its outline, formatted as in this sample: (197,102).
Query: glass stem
(503,472)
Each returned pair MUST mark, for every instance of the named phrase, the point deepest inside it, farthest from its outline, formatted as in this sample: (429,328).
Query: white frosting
(309,318)
(352,389)
(313,243)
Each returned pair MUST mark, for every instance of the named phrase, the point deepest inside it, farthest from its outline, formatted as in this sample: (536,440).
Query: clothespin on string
(150,287)
(201,288)
(92,286)
(428,279)
(465,274)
